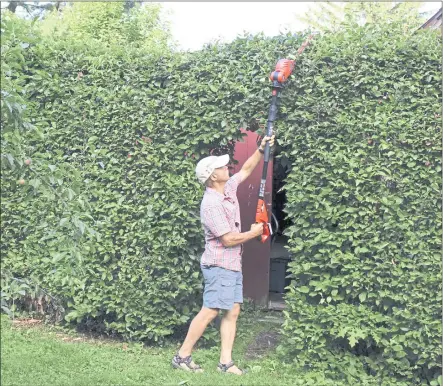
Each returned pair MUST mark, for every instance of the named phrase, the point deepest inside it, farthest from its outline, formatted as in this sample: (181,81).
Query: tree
(34,8)
(331,17)
(115,25)
(29,179)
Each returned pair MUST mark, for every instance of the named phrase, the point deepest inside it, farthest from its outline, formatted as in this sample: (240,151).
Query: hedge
(132,131)
(363,129)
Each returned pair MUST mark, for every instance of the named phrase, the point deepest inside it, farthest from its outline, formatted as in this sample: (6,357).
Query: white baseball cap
(206,166)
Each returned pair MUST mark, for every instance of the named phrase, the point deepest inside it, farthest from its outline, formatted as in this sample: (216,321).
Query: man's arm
(232,239)
(255,158)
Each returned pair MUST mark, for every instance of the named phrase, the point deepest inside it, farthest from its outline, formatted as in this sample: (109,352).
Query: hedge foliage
(132,132)
(113,230)
(363,129)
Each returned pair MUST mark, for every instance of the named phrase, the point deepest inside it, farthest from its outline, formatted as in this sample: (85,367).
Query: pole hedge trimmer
(278,77)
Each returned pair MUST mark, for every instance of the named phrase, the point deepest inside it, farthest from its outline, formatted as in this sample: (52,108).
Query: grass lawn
(48,355)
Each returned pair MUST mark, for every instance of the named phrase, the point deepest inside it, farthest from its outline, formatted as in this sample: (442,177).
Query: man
(221,261)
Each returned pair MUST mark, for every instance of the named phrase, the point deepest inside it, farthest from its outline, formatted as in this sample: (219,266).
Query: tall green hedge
(133,130)
(363,128)
(357,120)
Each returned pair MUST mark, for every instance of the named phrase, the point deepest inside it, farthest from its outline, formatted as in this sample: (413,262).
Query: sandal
(185,364)
(224,368)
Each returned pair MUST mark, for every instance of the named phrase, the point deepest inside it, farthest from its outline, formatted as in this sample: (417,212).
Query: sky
(194,24)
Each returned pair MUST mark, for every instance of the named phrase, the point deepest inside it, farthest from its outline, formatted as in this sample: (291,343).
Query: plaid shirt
(220,214)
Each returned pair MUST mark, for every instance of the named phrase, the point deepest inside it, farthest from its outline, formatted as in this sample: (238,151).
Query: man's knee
(234,312)
(209,313)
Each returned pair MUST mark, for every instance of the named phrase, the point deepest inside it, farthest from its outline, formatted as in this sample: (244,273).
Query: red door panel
(255,254)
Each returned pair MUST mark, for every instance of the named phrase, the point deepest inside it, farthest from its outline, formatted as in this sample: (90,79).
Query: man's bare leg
(196,330)
(227,331)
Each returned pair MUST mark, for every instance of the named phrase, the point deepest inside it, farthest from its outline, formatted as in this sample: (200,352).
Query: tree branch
(12,6)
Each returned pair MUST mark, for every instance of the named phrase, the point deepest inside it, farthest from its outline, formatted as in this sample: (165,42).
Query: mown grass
(49,355)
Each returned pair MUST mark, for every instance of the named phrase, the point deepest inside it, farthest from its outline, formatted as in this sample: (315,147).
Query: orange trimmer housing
(282,71)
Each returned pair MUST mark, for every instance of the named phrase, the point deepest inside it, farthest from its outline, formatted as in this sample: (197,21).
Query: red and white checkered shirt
(220,214)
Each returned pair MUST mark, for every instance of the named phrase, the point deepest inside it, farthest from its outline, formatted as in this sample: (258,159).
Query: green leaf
(352,340)
(63,221)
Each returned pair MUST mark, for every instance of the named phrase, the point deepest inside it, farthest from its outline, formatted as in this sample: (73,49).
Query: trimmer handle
(261,217)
